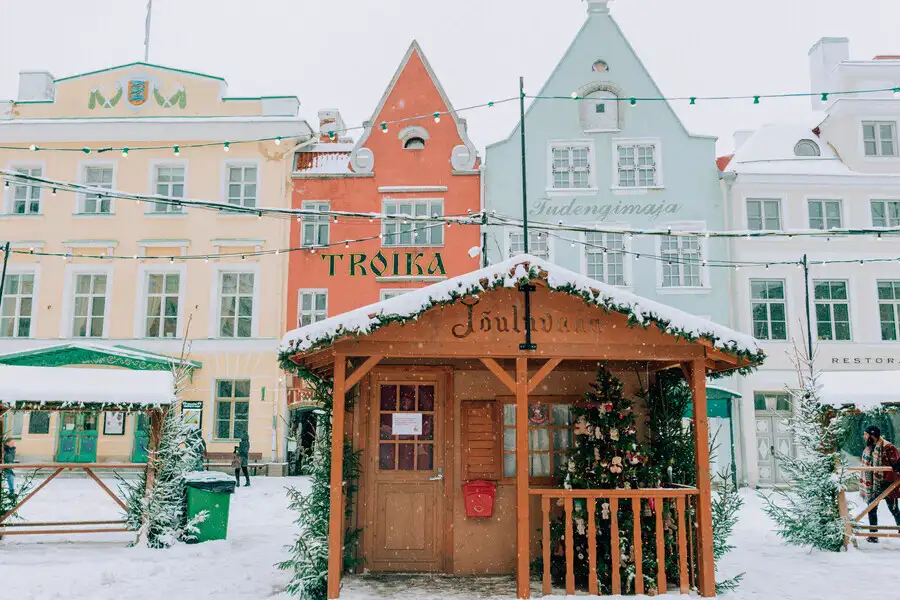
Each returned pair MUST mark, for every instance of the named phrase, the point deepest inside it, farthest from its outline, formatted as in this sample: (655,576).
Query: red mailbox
(479,497)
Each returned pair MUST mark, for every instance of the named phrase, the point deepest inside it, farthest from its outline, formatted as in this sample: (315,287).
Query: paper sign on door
(406,424)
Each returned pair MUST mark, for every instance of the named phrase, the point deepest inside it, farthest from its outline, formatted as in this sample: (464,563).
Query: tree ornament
(581,427)
(614,434)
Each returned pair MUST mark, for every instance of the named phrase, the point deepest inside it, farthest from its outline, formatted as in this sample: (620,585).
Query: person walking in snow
(9,457)
(244,452)
(879,452)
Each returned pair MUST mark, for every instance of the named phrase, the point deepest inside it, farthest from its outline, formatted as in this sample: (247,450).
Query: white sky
(342,53)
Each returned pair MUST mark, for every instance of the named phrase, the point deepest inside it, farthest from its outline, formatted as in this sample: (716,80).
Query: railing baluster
(638,551)
(682,547)
(661,584)
(615,551)
(592,546)
(570,549)
(690,515)
(545,509)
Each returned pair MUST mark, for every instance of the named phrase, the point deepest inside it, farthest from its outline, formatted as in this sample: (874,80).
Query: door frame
(773,417)
(365,432)
(79,434)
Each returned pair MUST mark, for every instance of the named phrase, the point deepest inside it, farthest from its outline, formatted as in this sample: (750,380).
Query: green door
(78,437)
(141,438)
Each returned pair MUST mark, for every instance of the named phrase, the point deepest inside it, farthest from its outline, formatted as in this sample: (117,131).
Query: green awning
(83,353)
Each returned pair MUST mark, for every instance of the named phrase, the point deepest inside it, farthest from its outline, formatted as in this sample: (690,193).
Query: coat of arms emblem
(137,91)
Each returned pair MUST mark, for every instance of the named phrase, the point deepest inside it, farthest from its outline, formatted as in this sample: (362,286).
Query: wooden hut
(462,358)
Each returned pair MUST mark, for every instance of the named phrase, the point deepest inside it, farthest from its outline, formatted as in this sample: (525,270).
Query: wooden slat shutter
(482,446)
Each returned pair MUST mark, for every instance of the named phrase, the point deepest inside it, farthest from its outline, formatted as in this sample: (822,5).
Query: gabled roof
(771,150)
(138,64)
(85,353)
(511,273)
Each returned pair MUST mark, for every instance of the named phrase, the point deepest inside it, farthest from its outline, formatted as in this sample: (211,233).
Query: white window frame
(10,196)
(507,242)
(12,420)
(412,225)
(824,200)
(592,167)
(762,200)
(657,161)
(315,222)
(895,310)
(705,286)
(768,302)
(226,174)
(215,314)
(385,294)
(626,259)
(150,205)
(815,301)
(877,123)
(35,272)
(67,326)
(214,392)
(314,291)
(886,200)
(140,317)
(81,197)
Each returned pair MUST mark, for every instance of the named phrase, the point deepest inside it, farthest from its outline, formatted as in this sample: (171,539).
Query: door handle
(437,477)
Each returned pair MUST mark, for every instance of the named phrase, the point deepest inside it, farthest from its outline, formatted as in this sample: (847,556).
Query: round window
(600,67)
(806,148)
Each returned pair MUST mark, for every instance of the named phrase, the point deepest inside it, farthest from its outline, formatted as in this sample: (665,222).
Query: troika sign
(392,264)
(512,320)
(604,210)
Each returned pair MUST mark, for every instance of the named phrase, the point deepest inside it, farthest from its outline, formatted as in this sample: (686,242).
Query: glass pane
(424,457)
(385,426)
(241,410)
(389,397)
(229,283)
(539,439)
(99,284)
(427,427)
(240,428)
(223,410)
(172,284)
(509,414)
(426,398)
(223,429)
(407,397)
(224,388)
(386,457)
(246,283)
(244,327)
(321,299)
(539,465)
(560,414)
(509,465)
(242,388)
(406,457)
(509,438)
(561,439)
(97,327)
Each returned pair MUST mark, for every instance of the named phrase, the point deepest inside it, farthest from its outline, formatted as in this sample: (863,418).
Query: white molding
(140,314)
(425,278)
(8,191)
(384,291)
(851,309)
(861,144)
(82,179)
(216,305)
(744,218)
(223,179)
(413,243)
(301,291)
(825,198)
(218,243)
(400,189)
(152,166)
(705,286)
(17,268)
(218,346)
(107,245)
(657,159)
(592,165)
(627,258)
(68,305)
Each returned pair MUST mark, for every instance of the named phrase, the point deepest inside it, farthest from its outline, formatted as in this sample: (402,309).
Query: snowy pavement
(95,567)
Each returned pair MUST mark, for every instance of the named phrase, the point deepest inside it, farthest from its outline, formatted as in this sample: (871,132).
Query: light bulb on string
(86,150)
(124,152)
(335,219)
(226,146)
(177,151)
(278,141)
(633,102)
(171,261)
(437,117)
(53,192)
(693,100)
(331,135)
(33,148)
(6,183)
(897,93)
(346,244)
(755,99)
(878,239)
(383,127)
(824,97)
(206,259)
(574,95)
(277,252)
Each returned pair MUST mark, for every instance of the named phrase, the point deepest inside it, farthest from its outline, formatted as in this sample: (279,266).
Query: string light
(124,152)
(177,151)
(33,148)
(824,97)
(633,102)
(896,91)
(384,127)
(278,141)
(331,135)
(53,192)
(226,146)
(437,117)
(86,150)
(693,100)
(574,95)
(755,99)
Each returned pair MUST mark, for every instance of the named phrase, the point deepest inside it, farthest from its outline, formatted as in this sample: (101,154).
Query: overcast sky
(342,53)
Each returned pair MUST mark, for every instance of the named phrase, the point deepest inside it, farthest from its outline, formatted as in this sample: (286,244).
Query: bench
(221,460)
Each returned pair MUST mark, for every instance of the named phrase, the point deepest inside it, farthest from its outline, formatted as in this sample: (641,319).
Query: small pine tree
(726,505)
(808,515)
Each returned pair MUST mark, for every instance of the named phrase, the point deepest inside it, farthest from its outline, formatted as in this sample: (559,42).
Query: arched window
(414,143)
(600,67)
(600,111)
(806,148)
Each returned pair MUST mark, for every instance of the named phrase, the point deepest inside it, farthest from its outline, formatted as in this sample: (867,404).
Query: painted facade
(137,311)
(840,169)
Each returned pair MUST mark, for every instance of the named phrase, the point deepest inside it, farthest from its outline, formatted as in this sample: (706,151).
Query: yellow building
(136,310)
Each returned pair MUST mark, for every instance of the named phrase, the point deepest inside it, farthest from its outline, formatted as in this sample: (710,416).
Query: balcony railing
(680,503)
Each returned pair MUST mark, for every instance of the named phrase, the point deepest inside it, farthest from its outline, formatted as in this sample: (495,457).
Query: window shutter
(481,445)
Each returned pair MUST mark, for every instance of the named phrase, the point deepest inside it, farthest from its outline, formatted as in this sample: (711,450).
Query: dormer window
(413,137)
(806,148)
(414,143)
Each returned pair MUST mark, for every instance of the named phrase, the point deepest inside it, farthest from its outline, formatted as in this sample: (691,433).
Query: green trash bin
(209,491)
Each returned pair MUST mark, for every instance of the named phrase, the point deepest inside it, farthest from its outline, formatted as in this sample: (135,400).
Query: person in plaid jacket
(879,453)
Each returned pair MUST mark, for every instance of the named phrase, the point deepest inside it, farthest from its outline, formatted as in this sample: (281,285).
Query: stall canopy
(863,389)
(110,388)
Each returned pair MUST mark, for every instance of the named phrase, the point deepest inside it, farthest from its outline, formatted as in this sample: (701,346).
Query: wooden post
(523,588)
(336,513)
(156,425)
(705,567)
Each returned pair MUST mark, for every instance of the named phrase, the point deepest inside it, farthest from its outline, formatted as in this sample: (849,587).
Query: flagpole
(147,31)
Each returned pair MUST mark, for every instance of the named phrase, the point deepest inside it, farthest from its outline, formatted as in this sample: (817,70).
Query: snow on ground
(95,567)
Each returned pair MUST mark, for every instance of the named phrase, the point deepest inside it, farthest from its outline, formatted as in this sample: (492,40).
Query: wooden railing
(657,500)
(853,526)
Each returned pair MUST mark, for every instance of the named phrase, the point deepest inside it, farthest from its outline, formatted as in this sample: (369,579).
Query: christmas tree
(808,515)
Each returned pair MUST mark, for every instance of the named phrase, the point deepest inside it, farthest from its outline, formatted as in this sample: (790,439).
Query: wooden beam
(362,370)
(523,539)
(3,531)
(336,513)
(705,567)
(106,489)
(502,375)
(542,373)
(12,511)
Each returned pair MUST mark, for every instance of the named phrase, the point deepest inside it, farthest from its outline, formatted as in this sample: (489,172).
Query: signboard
(513,321)
(604,211)
(114,423)
(393,264)
(406,424)
(192,413)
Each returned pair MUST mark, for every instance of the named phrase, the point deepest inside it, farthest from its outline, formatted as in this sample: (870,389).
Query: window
(885,213)
(168,181)
(600,67)
(397,232)
(824,214)
(162,305)
(414,143)
(636,165)
(570,166)
(242,184)
(538,244)
(14,423)
(549,439)
(232,407)
(771,401)
(879,138)
(313,306)
(26,198)
(236,305)
(90,305)
(97,203)
(388,294)
(767,304)
(604,255)
(38,423)
(682,266)
(406,452)
(764,215)
(832,310)
(315,228)
(17,305)
(599,111)
(806,148)
(889,309)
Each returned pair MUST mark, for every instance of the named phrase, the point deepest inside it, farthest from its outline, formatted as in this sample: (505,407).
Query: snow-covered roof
(325,159)
(771,150)
(863,389)
(85,386)
(510,273)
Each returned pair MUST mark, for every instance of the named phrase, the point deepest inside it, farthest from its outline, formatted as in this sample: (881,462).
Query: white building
(840,170)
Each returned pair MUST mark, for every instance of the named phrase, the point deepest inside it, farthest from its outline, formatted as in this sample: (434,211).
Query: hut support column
(523,542)
(336,512)
(706,568)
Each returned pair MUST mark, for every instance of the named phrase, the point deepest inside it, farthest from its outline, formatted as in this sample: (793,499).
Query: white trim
(825,198)
(399,189)
(627,262)
(744,214)
(239,162)
(413,243)
(705,287)
(879,198)
(302,291)
(591,189)
(861,141)
(35,269)
(216,305)
(659,182)
(8,192)
(398,278)
(314,205)
(67,320)
(395,291)
(850,310)
(152,166)
(80,197)
(144,244)
(782,277)
(236,243)
(140,315)
(506,243)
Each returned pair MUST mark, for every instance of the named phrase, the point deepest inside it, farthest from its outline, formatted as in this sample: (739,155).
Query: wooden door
(141,438)
(406,518)
(773,439)
(78,437)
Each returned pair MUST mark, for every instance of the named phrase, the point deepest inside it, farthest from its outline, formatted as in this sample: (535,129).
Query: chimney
(330,120)
(36,85)
(824,56)
(597,6)
(741,137)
